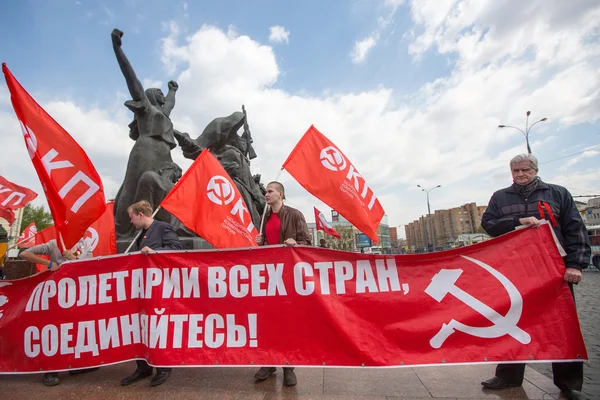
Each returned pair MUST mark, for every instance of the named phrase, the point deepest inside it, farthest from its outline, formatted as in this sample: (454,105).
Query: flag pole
(140,231)
(266,206)
(19,243)
(62,242)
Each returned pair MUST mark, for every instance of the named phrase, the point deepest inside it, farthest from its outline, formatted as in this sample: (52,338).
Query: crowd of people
(527,201)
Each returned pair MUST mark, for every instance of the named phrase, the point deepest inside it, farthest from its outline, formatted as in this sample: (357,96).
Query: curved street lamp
(429,213)
(527,129)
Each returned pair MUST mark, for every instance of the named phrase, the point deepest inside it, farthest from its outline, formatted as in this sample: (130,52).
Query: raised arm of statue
(170,98)
(190,148)
(133,84)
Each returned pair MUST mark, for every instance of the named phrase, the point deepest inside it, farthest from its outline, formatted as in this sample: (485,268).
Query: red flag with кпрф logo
(71,183)
(207,201)
(322,169)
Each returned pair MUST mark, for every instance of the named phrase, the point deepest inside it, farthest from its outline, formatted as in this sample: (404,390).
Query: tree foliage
(31,213)
(347,240)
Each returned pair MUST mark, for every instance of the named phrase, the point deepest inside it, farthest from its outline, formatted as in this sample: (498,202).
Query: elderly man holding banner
(526,202)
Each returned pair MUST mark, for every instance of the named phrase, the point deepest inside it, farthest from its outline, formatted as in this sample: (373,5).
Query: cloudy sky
(411,91)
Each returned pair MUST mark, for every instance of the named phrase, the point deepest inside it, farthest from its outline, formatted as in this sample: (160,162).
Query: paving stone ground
(587,298)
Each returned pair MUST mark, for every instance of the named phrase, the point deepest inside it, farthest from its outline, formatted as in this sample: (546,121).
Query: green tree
(347,240)
(31,213)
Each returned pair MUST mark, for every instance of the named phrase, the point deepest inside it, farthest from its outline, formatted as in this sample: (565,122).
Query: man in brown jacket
(282,225)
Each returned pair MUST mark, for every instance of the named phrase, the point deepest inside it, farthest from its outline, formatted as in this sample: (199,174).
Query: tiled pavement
(587,298)
(451,382)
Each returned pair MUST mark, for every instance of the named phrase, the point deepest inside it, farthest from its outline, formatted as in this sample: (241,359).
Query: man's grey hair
(525,157)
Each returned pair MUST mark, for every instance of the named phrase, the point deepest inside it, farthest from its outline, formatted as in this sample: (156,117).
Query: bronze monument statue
(233,152)
(151,172)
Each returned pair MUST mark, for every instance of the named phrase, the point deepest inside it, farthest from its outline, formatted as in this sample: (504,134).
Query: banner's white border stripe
(302,366)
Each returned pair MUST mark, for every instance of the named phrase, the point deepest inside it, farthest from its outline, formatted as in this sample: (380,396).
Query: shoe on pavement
(160,378)
(264,372)
(497,383)
(51,379)
(289,377)
(140,373)
(572,395)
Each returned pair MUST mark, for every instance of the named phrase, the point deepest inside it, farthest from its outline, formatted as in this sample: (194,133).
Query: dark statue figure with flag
(234,152)
(151,172)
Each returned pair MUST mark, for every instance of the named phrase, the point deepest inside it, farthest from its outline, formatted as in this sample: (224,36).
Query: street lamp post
(432,234)
(527,129)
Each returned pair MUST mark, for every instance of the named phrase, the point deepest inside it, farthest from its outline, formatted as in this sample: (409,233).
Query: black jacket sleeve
(493,223)
(574,233)
(170,241)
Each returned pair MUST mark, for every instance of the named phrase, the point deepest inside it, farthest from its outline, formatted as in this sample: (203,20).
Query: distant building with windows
(590,213)
(447,226)
(13,230)
(351,238)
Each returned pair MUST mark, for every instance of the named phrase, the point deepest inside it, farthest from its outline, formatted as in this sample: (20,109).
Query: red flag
(27,238)
(322,169)
(101,236)
(45,235)
(207,201)
(14,196)
(8,215)
(71,183)
(323,225)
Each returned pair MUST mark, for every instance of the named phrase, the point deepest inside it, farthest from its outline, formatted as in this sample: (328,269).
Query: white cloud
(151,83)
(575,160)
(362,48)
(445,133)
(279,34)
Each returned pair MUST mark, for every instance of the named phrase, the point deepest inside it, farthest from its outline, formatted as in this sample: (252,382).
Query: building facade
(351,238)
(14,229)
(447,225)
(591,212)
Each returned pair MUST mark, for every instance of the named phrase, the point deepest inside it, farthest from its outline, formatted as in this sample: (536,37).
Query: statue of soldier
(221,138)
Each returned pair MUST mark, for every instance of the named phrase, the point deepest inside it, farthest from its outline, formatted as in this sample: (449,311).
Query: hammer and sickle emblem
(443,283)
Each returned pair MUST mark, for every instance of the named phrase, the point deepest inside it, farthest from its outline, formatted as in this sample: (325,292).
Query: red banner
(322,224)
(71,183)
(14,196)
(207,201)
(322,169)
(501,300)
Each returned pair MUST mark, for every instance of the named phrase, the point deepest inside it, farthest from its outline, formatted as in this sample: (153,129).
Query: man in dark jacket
(527,201)
(155,235)
(282,225)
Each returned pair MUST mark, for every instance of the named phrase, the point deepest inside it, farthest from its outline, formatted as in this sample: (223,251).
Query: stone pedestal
(18,268)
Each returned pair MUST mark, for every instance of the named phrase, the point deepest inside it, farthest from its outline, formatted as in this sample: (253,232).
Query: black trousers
(567,375)
(141,364)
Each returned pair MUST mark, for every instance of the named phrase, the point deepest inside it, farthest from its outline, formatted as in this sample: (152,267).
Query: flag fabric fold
(8,214)
(13,196)
(27,238)
(207,201)
(71,183)
(323,225)
(322,169)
